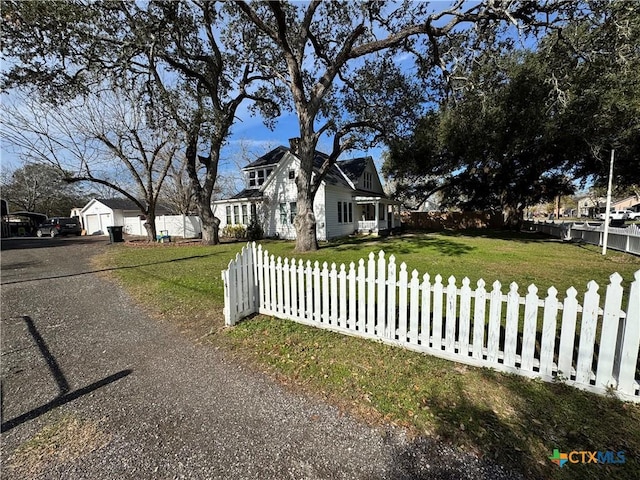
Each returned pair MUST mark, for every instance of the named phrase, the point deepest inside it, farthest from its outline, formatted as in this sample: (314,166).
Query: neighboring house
(350,199)
(588,206)
(629,203)
(412,203)
(101,213)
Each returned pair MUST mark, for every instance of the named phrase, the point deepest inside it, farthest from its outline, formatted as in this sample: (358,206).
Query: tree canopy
(527,125)
(41,188)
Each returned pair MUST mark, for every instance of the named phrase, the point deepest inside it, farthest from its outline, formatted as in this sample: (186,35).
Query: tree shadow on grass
(518,437)
(498,234)
(406,245)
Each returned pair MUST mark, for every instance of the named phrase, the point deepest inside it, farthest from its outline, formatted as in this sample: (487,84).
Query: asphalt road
(94,388)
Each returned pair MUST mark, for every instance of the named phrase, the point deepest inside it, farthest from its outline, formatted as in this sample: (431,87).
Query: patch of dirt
(64,441)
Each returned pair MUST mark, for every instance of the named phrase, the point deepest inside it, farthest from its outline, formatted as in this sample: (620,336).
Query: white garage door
(105,221)
(93,225)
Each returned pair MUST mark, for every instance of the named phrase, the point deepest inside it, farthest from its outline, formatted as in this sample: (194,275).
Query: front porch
(377,214)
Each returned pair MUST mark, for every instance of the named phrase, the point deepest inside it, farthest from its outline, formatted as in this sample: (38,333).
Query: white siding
(97,217)
(334,229)
(281,190)
(319,210)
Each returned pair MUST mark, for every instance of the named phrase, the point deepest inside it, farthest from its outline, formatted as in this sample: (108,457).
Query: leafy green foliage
(254,230)
(494,148)
(234,231)
(524,125)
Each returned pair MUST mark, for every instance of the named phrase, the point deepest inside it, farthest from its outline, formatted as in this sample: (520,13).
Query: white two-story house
(350,198)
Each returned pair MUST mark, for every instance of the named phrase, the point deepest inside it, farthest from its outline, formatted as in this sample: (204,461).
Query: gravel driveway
(94,388)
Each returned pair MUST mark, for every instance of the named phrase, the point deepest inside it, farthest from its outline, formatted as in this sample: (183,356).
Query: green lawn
(515,421)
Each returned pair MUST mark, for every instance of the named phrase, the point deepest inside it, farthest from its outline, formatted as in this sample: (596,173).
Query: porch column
(377,214)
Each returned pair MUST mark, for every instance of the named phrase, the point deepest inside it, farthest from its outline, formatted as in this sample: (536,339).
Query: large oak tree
(193,65)
(319,50)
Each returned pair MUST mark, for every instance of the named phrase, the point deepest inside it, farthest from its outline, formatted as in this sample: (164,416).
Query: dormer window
(367,180)
(292,174)
(257,177)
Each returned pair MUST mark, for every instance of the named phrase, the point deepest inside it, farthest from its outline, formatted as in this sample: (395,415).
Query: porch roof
(362,199)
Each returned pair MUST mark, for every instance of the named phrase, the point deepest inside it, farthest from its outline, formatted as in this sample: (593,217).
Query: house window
(236,216)
(339,212)
(253,212)
(367,180)
(350,212)
(344,212)
(292,174)
(228,215)
(293,211)
(260,177)
(283,213)
(252,179)
(269,170)
(383,207)
(245,220)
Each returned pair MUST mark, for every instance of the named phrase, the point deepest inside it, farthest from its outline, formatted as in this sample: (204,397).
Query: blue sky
(250,133)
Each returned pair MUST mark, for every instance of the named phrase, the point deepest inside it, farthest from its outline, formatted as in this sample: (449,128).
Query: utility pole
(608,208)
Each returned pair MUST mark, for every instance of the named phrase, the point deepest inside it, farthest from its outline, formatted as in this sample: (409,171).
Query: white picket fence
(625,239)
(530,335)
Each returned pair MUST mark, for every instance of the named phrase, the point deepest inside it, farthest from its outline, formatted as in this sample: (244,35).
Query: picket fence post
(631,340)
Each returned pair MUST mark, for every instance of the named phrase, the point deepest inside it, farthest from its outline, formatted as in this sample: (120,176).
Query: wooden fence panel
(392,286)
(529,329)
(436,334)
(465,317)
(375,301)
(479,321)
(403,284)
(631,341)
(609,334)
(511,327)
(495,319)
(451,317)
(414,295)
(381,323)
(587,333)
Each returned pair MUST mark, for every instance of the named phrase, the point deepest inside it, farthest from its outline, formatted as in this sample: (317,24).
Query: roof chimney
(294,145)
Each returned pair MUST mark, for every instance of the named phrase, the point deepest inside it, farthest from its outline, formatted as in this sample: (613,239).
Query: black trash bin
(115,234)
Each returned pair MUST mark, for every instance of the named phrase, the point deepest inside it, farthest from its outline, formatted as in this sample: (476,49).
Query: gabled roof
(353,167)
(271,158)
(334,175)
(248,193)
(118,203)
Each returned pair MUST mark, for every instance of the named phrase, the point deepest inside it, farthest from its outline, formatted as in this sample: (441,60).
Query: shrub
(254,230)
(234,231)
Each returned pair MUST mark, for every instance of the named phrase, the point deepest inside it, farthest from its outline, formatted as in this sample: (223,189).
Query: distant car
(55,226)
(615,215)
(633,215)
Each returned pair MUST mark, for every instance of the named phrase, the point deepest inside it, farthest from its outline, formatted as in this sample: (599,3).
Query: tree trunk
(512,217)
(150,227)
(305,221)
(210,226)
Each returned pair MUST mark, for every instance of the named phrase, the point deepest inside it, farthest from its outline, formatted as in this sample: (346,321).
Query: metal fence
(622,239)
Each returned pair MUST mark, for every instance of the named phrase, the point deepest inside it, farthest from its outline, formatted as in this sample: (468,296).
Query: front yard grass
(509,419)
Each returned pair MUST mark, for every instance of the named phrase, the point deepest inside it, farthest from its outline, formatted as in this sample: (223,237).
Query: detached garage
(101,213)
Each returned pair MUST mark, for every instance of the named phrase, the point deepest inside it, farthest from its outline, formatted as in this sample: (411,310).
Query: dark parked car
(59,226)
